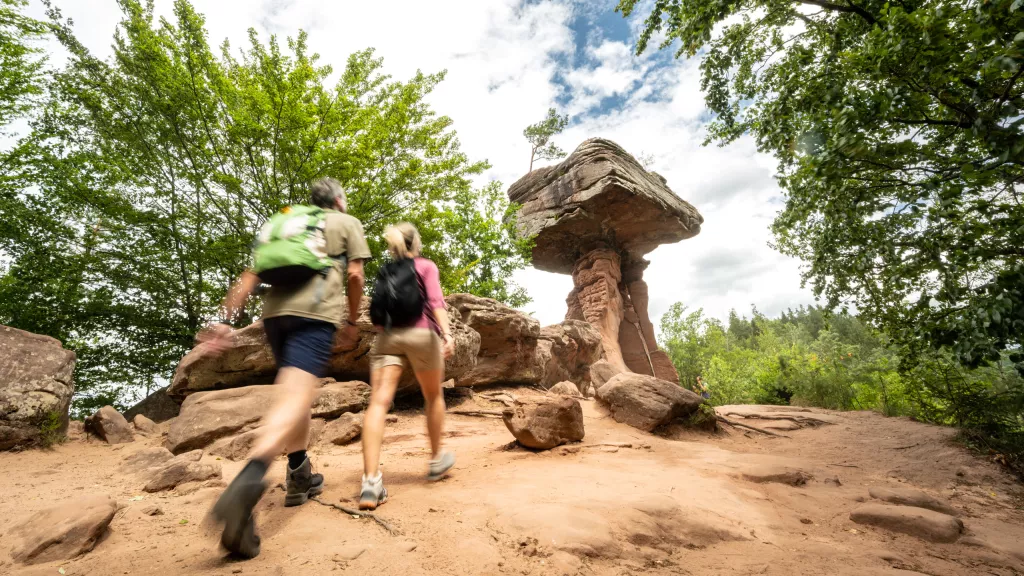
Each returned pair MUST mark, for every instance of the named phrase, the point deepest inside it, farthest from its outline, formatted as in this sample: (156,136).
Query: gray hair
(325,191)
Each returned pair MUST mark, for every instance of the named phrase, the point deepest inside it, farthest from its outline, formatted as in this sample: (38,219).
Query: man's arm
(217,337)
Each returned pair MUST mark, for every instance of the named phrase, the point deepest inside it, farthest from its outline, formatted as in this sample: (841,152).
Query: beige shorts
(418,347)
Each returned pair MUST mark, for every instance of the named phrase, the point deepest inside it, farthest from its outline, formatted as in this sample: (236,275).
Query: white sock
(374,480)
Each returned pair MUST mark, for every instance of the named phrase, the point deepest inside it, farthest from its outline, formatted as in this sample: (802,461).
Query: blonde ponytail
(403,241)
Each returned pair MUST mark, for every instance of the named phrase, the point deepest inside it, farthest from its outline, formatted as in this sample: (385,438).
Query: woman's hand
(449,346)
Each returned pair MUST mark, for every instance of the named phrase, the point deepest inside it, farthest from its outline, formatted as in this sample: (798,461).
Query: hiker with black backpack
(408,310)
(302,253)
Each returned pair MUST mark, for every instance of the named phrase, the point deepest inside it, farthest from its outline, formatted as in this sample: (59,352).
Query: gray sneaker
(373,493)
(441,466)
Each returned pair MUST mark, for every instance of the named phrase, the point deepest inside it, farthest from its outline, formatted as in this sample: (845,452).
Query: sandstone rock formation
(911,497)
(67,530)
(145,459)
(595,216)
(35,387)
(144,425)
(236,447)
(158,407)
(545,422)
(110,425)
(646,402)
(249,360)
(566,389)
(337,398)
(514,349)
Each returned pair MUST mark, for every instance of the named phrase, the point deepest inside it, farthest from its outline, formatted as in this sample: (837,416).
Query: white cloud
(505,60)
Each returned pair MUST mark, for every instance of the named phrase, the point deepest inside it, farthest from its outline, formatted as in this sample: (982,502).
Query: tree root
(725,420)
(362,514)
(481,413)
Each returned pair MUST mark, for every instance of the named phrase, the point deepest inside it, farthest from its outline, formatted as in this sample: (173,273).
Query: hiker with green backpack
(303,254)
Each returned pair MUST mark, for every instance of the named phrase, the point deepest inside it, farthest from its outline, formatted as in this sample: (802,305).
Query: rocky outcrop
(208,416)
(514,349)
(646,402)
(158,407)
(235,447)
(595,216)
(145,459)
(249,360)
(110,425)
(545,422)
(35,388)
(69,529)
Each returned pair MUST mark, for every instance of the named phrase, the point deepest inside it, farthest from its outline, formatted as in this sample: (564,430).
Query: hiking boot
(441,466)
(303,484)
(373,493)
(234,509)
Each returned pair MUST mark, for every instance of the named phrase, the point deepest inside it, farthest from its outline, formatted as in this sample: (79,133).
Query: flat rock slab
(646,402)
(919,522)
(545,422)
(145,459)
(912,497)
(110,425)
(62,532)
(801,416)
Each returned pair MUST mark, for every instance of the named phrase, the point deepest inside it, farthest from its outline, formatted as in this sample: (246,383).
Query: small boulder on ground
(337,398)
(919,522)
(144,425)
(235,447)
(110,425)
(343,430)
(646,402)
(601,372)
(777,474)
(545,422)
(911,497)
(36,385)
(145,459)
(566,389)
(61,532)
(181,469)
(209,416)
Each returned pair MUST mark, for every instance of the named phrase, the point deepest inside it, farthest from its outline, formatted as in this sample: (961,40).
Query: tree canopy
(899,131)
(152,170)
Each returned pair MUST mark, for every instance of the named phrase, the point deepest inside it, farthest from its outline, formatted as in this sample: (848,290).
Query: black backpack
(398,298)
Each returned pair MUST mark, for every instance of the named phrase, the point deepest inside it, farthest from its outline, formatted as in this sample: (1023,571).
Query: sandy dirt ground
(679,502)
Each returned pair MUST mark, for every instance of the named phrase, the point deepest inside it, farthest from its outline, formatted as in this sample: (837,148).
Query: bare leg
(286,425)
(384,382)
(433,398)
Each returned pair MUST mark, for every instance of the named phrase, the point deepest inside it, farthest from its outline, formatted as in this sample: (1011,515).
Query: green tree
(539,136)
(899,132)
(151,171)
(21,62)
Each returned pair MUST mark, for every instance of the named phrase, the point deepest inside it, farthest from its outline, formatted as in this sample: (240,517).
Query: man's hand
(449,346)
(216,338)
(349,337)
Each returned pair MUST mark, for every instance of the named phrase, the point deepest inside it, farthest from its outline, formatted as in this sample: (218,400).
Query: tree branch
(851,9)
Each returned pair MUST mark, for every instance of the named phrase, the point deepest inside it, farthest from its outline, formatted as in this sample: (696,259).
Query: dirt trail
(678,503)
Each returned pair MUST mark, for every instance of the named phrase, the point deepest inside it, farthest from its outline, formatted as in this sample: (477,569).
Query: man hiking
(300,252)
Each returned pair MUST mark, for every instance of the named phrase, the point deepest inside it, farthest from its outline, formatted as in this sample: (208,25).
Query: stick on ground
(476,412)
(363,514)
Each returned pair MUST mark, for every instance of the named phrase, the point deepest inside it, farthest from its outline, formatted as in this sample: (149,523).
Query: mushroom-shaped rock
(595,215)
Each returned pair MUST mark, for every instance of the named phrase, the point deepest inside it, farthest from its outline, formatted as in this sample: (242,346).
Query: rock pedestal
(595,216)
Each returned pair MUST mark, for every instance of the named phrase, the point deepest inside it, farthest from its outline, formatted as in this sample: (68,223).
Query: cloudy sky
(508,61)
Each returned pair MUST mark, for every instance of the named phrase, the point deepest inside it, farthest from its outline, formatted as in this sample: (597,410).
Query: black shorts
(301,343)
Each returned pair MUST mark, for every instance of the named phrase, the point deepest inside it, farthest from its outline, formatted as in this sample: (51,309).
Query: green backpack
(291,247)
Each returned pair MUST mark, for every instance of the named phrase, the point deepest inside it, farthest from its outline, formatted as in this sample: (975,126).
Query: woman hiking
(420,338)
